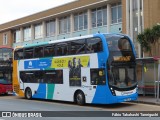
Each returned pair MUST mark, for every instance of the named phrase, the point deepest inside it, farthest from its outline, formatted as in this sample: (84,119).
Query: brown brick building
(82,17)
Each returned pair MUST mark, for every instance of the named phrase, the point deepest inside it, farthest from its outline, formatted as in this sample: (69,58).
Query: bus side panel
(40,92)
(87,88)
(38,89)
(53,91)
(16,83)
(50,91)
(102,94)
(64,91)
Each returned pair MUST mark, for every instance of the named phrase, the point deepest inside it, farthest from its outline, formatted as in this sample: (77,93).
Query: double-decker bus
(5,69)
(96,69)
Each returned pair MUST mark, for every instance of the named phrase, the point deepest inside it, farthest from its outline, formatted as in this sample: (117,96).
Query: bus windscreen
(121,62)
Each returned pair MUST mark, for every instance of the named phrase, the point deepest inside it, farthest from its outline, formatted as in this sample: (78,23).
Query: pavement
(148,100)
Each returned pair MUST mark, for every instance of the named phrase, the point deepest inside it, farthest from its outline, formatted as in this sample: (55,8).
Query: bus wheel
(80,98)
(28,93)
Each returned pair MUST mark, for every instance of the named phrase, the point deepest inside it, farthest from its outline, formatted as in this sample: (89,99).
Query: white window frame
(64,25)
(48,30)
(38,31)
(5,39)
(96,10)
(81,15)
(27,33)
(17,36)
(117,17)
(101,17)
(76,24)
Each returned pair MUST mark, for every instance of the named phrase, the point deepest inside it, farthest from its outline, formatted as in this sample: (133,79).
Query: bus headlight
(113,92)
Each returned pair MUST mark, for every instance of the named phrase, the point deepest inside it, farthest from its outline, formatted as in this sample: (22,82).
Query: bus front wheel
(80,98)
(28,93)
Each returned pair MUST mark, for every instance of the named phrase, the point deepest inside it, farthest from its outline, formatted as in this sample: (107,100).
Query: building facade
(82,17)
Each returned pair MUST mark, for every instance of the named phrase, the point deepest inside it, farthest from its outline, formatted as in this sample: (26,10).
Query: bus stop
(148,76)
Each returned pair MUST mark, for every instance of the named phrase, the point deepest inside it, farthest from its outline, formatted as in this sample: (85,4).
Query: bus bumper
(115,99)
(119,99)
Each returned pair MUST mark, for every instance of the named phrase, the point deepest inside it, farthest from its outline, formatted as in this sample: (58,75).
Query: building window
(17,36)
(5,39)
(80,21)
(104,13)
(116,13)
(51,28)
(38,31)
(64,25)
(27,33)
(99,16)
(134,5)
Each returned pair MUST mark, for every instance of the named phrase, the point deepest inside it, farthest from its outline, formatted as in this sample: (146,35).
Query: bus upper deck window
(62,49)
(28,53)
(49,51)
(38,52)
(94,45)
(18,54)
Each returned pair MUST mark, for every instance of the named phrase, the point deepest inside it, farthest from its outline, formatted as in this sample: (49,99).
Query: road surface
(71,110)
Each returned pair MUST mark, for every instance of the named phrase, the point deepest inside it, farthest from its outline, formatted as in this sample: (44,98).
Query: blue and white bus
(96,69)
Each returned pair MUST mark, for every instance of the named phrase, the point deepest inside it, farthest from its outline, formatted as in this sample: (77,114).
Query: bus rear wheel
(80,98)
(28,93)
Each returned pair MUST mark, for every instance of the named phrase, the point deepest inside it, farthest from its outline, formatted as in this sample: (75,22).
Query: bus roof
(64,40)
(54,41)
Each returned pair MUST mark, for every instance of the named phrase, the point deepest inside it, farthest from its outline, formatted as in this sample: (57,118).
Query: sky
(14,9)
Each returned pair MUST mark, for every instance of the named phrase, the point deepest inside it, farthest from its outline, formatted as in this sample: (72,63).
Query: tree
(156,32)
(148,38)
(145,44)
(156,36)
